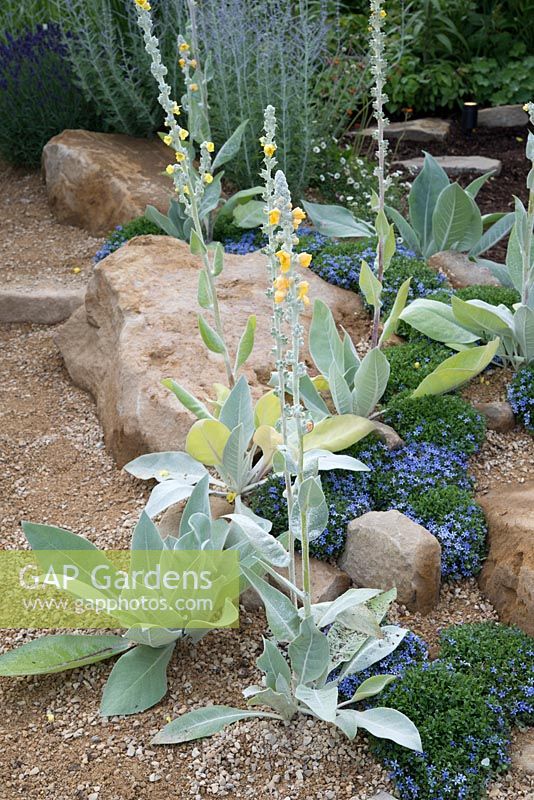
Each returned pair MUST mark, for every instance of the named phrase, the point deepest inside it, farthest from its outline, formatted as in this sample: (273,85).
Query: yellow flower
(230,497)
(170,169)
(210,147)
(269,150)
(193,63)
(193,87)
(208,178)
(164,473)
(168,140)
(181,62)
(305,259)
(284,259)
(298,217)
(180,156)
(303,288)
(183,134)
(417,365)
(279,297)
(176,109)
(144,4)
(184,47)
(274,217)
(76,270)
(282,284)
(383,13)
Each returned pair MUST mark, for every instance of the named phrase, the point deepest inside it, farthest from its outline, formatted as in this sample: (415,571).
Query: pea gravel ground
(53,744)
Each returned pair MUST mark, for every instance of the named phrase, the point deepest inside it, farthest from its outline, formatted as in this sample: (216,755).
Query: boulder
(386,549)
(99,180)
(455,165)
(507,577)
(388,436)
(41,305)
(428,129)
(328,582)
(139,325)
(169,523)
(522,751)
(460,271)
(499,415)
(510,116)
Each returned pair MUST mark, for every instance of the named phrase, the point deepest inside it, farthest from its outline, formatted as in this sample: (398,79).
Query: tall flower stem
(529,243)
(378,69)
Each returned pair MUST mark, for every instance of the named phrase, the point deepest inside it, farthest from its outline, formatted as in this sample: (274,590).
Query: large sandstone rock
(386,549)
(460,271)
(507,577)
(99,180)
(139,325)
(41,305)
(499,415)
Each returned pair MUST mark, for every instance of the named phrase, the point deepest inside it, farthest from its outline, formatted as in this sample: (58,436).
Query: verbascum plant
(311,646)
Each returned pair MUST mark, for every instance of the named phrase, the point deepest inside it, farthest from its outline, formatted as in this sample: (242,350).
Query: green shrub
(451,514)
(521,396)
(445,420)
(140,226)
(502,660)
(464,741)
(495,295)
(410,363)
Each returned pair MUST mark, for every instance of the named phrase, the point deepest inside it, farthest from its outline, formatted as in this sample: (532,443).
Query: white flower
(337,176)
(316,149)
(321,177)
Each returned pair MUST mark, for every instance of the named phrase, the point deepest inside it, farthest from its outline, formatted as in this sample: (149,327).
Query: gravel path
(34,247)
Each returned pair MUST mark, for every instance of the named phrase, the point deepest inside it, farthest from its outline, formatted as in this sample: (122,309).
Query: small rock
(388,436)
(385,549)
(499,415)
(510,116)
(382,796)
(45,305)
(460,271)
(169,524)
(522,751)
(99,180)
(416,130)
(455,165)
(34,771)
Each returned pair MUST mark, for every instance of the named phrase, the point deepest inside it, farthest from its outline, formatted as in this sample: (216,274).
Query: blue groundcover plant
(521,396)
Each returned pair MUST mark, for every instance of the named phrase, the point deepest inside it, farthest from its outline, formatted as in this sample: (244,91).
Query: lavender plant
(341,637)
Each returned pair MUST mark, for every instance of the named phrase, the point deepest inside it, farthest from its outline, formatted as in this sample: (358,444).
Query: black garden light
(469,116)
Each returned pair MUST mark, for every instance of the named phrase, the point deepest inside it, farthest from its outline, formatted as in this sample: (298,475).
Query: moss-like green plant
(445,420)
(410,363)
(495,295)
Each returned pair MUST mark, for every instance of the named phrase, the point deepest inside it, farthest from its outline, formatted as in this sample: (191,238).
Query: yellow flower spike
(269,150)
(168,140)
(305,259)
(284,259)
(184,47)
(176,109)
(183,134)
(210,147)
(169,169)
(180,156)
(274,217)
(279,297)
(193,87)
(208,178)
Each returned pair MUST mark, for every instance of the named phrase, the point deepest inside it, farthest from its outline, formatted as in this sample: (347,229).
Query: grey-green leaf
(137,681)
(370,382)
(59,653)
(282,616)
(309,652)
(204,722)
(210,337)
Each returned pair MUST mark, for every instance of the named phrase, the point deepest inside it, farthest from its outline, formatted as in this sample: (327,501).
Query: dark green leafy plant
(445,420)
(410,363)
(465,741)
(521,396)
(495,295)
(501,658)
(140,226)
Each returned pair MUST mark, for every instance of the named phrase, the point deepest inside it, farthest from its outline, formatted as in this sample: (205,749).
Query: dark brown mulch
(506,144)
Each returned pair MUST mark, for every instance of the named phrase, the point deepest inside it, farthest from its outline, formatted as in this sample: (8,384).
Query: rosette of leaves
(239,442)
(442,216)
(138,679)
(297,663)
